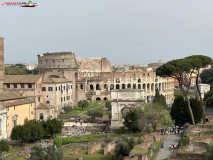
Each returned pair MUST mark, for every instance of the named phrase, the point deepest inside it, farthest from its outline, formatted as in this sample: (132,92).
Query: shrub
(140,141)
(67,108)
(209,154)
(57,141)
(123,148)
(93,113)
(121,130)
(4,146)
(83,103)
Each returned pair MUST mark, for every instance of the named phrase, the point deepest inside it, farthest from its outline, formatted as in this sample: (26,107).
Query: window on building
(29,85)
(14,85)
(39,99)
(64,87)
(41,116)
(117,80)
(50,88)
(14,123)
(59,88)
(14,107)
(31,112)
(55,88)
(61,99)
(22,85)
(43,88)
(82,86)
(47,102)
(8,85)
(64,98)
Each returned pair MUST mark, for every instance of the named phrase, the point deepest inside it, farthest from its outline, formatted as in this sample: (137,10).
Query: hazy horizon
(125,32)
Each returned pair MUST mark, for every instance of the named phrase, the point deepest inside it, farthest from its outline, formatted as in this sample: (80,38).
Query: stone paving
(166,152)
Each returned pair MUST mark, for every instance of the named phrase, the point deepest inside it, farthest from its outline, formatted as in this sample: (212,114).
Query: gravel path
(166,152)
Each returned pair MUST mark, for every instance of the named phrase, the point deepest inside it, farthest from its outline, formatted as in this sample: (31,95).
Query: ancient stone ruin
(93,147)
(109,147)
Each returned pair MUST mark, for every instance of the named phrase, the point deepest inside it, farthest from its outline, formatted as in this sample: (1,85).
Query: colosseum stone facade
(97,84)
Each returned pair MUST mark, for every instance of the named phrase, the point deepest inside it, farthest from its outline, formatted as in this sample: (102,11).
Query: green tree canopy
(135,120)
(159,98)
(49,153)
(95,113)
(207,76)
(83,104)
(180,114)
(4,146)
(177,69)
(108,105)
(123,148)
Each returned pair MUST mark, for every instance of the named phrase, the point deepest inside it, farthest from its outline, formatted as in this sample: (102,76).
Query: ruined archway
(106,87)
(98,87)
(91,87)
(111,87)
(139,86)
(129,86)
(105,99)
(98,99)
(134,86)
(117,86)
(123,86)
(124,111)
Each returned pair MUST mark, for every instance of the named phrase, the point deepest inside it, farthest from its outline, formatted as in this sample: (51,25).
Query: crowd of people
(172,130)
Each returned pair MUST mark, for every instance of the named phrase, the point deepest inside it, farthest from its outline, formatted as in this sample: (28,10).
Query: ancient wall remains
(93,147)
(1,62)
(94,65)
(109,147)
(57,61)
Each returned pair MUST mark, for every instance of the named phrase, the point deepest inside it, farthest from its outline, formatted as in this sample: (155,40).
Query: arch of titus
(123,99)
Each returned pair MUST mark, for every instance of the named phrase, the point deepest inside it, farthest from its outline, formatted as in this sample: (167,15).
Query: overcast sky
(124,31)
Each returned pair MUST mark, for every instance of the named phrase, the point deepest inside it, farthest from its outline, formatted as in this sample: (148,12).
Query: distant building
(154,66)
(30,66)
(204,88)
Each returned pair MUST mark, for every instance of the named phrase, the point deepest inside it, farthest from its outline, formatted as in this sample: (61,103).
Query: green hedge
(58,141)
(70,140)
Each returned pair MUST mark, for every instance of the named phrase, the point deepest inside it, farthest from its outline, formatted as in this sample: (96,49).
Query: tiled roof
(56,80)
(44,106)
(8,99)
(16,102)
(9,96)
(21,78)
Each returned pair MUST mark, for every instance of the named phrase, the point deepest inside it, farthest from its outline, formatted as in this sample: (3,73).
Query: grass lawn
(98,105)
(14,154)
(107,113)
(178,92)
(99,155)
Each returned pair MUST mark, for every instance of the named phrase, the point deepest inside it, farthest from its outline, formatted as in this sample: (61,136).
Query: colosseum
(94,78)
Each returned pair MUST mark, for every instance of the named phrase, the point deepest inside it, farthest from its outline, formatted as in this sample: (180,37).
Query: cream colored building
(14,109)
(44,111)
(57,92)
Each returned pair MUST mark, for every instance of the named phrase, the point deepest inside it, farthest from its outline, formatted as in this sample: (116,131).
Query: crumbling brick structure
(93,147)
